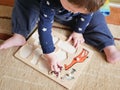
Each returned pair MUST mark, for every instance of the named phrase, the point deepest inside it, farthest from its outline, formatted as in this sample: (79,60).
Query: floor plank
(114,17)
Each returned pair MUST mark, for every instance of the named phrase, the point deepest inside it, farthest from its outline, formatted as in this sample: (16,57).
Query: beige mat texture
(15,75)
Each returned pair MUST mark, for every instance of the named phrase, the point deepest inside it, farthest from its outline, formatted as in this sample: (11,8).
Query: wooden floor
(7,2)
(114,17)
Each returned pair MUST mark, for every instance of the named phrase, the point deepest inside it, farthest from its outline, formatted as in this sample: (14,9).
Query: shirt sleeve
(45,25)
(82,22)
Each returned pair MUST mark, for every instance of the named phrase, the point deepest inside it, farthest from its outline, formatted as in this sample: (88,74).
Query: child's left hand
(76,38)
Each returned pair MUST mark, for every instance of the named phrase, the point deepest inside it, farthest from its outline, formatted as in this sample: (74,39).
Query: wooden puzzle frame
(31,54)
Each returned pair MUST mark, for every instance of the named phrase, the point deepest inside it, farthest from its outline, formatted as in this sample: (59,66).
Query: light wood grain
(114,17)
(7,2)
(41,65)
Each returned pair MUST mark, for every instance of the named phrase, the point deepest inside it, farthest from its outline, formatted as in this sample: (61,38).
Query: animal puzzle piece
(69,76)
(78,59)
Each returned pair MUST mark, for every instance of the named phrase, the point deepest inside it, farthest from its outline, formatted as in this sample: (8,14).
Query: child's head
(83,6)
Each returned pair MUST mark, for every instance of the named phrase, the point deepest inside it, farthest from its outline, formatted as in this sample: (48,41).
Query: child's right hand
(54,62)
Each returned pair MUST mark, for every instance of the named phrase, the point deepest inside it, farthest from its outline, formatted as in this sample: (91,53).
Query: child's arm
(82,22)
(45,34)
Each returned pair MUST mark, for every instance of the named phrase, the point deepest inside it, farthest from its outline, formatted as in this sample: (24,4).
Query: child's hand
(76,38)
(54,62)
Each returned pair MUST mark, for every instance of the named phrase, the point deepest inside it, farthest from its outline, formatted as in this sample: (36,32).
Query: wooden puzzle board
(32,55)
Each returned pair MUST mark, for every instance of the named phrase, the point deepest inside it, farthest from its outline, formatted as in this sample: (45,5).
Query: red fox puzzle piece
(78,59)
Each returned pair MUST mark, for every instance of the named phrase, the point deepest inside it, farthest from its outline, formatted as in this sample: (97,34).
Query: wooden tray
(32,55)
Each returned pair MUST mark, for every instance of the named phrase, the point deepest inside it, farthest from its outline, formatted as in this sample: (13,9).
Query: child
(87,23)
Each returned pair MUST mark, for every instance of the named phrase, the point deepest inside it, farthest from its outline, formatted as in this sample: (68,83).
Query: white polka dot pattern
(45,15)
(48,3)
(44,29)
(82,19)
(80,29)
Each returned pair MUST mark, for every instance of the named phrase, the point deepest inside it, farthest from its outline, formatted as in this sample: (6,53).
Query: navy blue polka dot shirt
(48,10)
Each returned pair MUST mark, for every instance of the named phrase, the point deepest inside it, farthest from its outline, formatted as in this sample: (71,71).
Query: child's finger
(60,66)
(52,69)
(69,39)
(75,41)
(56,68)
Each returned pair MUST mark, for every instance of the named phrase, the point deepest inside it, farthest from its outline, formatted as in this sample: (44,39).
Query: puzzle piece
(31,54)
(78,59)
